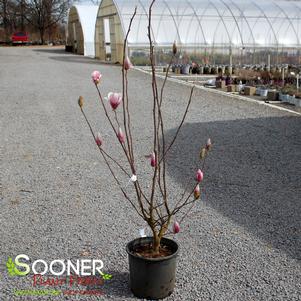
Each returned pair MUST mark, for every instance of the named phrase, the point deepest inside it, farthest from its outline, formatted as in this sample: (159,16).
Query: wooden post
(269,62)
(230,61)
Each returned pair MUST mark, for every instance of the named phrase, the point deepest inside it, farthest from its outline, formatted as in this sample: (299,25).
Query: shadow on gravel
(252,175)
(51,50)
(69,57)
(76,59)
(118,286)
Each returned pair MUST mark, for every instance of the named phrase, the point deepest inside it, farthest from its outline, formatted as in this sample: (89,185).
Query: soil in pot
(152,277)
(145,251)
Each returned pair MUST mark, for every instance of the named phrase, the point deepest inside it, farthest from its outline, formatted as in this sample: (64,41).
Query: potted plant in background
(185,67)
(285,93)
(195,68)
(152,260)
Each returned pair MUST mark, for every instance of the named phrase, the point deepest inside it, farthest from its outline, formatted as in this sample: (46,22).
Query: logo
(11,268)
(57,267)
(66,275)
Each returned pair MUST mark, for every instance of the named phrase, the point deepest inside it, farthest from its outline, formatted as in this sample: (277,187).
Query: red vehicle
(20,38)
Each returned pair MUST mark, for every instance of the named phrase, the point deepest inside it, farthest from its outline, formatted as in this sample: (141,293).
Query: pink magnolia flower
(176,228)
(121,135)
(114,99)
(96,76)
(153,159)
(98,139)
(127,63)
(197,192)
(208,144)
(199,176)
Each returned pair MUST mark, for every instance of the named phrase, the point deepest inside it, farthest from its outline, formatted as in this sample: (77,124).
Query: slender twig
(112,172)
(136,184)
(179,127)
(116,119)
(163,138)
(177,208)
(129,118)
(100,148)
(165,79)
(155,101)
(114,129)
(115,161)
(143,215)
(186,214)
(127,125)
(189,181)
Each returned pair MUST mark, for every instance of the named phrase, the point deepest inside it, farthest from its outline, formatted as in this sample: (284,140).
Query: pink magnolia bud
(176,228)
(203,153)
(114,99)
(197,192)
(121,135)
(96,76)
(98,139)
(174,48)
(199,176)
(208,144)
(127,63)
(153,159)
(81,101)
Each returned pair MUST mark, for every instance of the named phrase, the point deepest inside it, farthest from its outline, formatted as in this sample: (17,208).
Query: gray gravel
(58,200)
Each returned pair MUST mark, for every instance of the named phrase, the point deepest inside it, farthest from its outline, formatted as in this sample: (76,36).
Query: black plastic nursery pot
(152,278)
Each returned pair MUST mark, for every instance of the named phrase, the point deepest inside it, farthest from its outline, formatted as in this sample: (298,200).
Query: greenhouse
(225,26)
(81,29)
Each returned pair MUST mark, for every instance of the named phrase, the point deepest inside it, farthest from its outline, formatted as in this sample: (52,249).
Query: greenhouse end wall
(112,50)
(75,32)
(81,29)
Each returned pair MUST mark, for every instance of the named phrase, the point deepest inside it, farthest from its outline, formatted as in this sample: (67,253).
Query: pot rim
(175,254)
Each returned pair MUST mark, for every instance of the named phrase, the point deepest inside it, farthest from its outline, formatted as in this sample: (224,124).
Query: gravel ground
(58,200)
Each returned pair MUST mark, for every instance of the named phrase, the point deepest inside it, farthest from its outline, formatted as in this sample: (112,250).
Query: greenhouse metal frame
(232,26)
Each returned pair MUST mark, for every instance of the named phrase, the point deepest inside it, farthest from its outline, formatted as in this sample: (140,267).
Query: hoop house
(228,25)
(81,29)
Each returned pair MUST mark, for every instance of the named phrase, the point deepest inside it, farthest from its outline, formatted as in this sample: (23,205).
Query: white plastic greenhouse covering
(87,17)
(216,23)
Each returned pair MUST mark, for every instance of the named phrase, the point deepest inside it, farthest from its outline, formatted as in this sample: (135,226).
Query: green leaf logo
(10,267)
(106,276)
(12,270)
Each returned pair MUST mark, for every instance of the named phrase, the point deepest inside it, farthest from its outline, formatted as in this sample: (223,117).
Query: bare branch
(179,127)
(111,170)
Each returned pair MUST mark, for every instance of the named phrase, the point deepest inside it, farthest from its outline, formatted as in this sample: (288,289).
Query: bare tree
(44,14)
(4,18)
(8,11)
(152,201)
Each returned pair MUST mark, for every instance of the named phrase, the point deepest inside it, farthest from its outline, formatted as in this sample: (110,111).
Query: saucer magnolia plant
(151,202)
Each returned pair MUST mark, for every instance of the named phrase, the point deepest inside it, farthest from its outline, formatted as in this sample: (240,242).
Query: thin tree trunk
(42,32)
(22,15)
(156,242)
(5,21)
